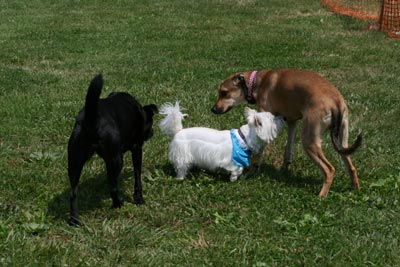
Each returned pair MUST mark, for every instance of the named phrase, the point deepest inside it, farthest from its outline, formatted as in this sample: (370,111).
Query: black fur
(109,127)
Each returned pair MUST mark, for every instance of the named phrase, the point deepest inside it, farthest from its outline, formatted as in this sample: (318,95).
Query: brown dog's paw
(284,168)
(253,171)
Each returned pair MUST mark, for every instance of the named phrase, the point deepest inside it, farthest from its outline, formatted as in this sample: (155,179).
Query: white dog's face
(263,125)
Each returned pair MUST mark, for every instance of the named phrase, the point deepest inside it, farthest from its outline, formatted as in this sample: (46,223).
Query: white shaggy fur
(211,149)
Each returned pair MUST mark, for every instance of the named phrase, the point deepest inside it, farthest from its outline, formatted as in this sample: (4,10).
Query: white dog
(211,149)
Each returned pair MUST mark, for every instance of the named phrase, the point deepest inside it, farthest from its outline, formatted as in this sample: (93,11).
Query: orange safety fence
(390,18)
(385,12)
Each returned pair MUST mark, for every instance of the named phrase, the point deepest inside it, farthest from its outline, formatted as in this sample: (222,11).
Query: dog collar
(240,154)
(249,96)
(243,137)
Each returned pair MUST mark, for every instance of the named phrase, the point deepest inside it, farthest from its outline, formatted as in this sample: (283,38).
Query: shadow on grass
(289,177)
(92,192)
(195,173)
(292,178)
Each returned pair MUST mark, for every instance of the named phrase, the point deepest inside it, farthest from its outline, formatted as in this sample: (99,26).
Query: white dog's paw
(233,178)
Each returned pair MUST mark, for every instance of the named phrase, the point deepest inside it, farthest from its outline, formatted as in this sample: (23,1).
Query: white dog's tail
(172,123)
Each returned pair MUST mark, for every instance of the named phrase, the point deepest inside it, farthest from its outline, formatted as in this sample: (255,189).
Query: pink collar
(252,79)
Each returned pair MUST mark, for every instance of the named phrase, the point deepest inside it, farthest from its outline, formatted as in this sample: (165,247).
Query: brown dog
(296,94)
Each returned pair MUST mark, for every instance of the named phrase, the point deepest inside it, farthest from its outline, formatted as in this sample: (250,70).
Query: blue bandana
(240,155)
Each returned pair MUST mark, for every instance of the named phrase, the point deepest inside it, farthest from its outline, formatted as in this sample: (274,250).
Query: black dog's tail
(335,130)
(92,99)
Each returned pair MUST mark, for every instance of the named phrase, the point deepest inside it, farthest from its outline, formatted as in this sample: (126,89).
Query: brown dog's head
(231,93)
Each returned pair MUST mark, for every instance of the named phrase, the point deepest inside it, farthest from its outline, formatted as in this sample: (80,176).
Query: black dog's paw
(72,221)
(138,200)
(117,204)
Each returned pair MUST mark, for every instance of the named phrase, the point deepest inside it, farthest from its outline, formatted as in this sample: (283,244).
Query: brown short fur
(297,94)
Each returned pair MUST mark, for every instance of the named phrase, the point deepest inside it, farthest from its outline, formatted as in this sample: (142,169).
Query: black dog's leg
(74,174)
(137,165)
(114,166)
(77,156)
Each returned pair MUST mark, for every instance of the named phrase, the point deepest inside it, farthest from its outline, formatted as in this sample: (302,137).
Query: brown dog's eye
(223,93)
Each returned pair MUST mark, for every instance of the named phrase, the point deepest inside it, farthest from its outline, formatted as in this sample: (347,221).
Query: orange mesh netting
(390,18)
(385,12)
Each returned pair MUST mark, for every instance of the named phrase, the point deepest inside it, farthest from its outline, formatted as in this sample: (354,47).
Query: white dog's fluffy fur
(211,149)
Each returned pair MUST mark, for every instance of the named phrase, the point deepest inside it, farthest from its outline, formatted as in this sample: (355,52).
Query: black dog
(108,127)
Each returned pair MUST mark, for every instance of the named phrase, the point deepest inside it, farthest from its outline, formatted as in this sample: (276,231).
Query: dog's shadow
(290,178)
(92,192)
(196,173)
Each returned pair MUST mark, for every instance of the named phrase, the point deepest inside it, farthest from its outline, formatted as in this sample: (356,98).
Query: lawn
(162,51)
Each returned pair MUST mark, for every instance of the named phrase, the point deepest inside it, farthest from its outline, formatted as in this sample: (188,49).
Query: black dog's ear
(151,109)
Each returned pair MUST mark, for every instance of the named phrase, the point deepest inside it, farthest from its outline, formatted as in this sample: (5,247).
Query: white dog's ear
(250,114)
(258,121)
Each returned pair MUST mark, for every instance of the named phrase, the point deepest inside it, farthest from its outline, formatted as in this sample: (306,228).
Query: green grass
(162,51)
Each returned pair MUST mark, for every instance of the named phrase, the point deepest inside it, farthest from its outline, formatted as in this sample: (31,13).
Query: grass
(162,51)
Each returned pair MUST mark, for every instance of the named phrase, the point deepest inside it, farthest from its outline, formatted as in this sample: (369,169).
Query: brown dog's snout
(215,110)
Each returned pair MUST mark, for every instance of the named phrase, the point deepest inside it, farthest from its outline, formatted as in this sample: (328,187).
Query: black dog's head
(150,110)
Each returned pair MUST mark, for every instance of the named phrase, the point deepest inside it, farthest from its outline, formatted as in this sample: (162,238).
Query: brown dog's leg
(344,136)
(289,145)
(312,145)
(352,170)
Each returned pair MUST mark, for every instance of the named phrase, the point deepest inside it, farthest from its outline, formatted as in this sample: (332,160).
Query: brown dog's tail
(335,132)
(92,99)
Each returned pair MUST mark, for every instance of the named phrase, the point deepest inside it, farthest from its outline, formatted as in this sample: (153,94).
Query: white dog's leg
(233,177)
(181,172)
(259,161)
(235,174)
